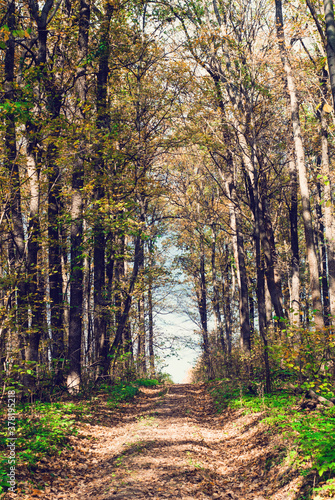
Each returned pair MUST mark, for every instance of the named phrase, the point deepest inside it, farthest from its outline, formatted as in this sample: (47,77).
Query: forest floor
(168,442)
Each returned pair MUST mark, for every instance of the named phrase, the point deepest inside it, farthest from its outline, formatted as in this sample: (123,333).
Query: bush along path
(183,441)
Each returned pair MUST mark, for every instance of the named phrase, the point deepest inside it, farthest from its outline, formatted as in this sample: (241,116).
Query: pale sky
(178,360)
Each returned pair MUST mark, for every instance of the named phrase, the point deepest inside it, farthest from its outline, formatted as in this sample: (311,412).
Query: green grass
(41,429)
(312,432)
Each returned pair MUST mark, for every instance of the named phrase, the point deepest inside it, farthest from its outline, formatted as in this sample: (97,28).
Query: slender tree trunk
(216,298)
(36,290)
(295,280)
(201,291)
(301,167)
(239,256)
(272,276)
(329,220)
(260,289)
(55,257)
(77,251)
(141,354)
(227,299)
(128,301)
(323,256)
(150,313)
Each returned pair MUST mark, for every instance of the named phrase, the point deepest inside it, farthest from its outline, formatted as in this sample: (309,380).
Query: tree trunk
(102,123)
(227,299)
(141,354)
(150,313)
(301,166)
(216,298)
(272,275)
(16,243)
(323,255)
(36,289)
(201,292)
(239,256)
(330,36)
(128,301)
(77,258)
(329,221)
(295,280)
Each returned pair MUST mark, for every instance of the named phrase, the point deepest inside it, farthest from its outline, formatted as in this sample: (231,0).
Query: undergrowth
(312,432)
(43,429)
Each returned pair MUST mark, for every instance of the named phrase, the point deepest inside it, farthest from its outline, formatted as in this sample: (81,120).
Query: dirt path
(171,444)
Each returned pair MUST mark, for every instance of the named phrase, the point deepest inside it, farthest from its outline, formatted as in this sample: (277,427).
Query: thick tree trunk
(103,123)
(53,106)
(330,36)
(301,167)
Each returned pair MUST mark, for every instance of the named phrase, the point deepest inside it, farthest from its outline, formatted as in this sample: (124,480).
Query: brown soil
(168,443)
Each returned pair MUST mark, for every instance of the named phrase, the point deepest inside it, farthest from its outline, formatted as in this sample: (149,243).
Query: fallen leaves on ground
(166,444)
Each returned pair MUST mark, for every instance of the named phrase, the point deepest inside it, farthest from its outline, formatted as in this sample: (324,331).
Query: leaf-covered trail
(170,443)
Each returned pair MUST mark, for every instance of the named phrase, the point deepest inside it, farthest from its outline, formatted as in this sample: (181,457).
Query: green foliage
(144,382)
(41,429)
(328,489)
(120,392)
(312,432)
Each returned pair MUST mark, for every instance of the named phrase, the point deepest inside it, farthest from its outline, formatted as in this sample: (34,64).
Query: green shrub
(121,392)
(146,382)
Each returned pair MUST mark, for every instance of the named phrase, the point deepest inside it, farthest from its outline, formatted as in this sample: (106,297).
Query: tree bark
(302,173)
(329,221)
(323,255)
(102,123)
(330,47)
(141,354)
(272,275)
(16,243)
(150,313)
(201,292)
(76,231)
(227,299)
(295,259)
(239,256)
(216,297)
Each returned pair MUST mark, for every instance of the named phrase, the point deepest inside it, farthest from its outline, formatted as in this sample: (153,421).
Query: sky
(178,325)
(180,344)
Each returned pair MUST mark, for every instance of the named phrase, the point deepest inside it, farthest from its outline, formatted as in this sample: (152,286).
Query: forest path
(170,443)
